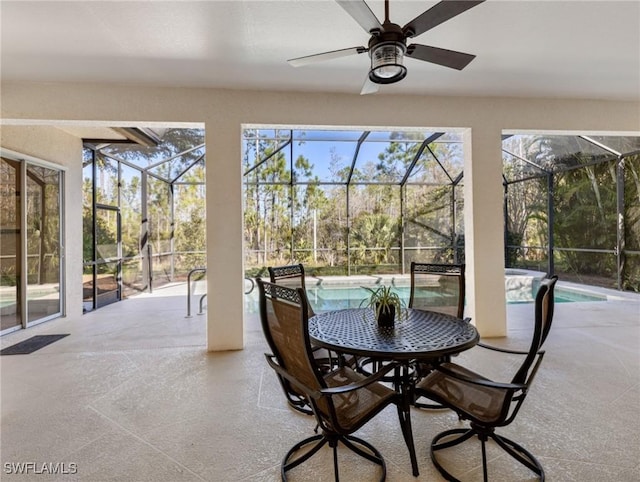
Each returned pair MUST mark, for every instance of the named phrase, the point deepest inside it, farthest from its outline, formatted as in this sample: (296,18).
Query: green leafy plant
(382,299)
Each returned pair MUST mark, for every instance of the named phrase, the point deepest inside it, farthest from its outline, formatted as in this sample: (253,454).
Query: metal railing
(194,270)
(253,285)
(202,298)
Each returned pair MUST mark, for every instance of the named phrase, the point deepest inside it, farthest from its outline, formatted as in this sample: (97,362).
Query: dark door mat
(31,344)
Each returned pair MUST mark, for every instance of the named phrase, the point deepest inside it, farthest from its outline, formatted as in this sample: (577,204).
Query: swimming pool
(327,294)
(324,298)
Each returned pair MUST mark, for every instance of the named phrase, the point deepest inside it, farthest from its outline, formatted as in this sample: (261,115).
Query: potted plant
(386,304)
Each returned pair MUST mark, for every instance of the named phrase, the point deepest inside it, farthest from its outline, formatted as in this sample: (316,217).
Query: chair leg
(516,451)
(287,464)
(357,445)
(373,455)
(483,443)
(519,453)
(463,435)
(334,446)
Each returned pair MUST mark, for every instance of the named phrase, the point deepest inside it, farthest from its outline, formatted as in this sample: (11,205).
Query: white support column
(484,228)
(225,278)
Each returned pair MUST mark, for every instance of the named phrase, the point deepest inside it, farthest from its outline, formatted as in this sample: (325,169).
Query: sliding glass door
(30,243)
(43,243)
(10,245)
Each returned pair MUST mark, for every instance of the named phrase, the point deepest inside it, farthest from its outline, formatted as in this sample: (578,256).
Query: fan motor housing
(390,33)
(386,49)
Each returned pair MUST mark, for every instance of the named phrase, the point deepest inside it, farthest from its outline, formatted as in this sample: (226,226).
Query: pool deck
(132,394)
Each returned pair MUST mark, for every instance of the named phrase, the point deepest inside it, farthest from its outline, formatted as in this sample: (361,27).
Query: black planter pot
(386,316)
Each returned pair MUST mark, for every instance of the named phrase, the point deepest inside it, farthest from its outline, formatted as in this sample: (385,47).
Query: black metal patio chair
(341,400)
(441,288)
(489,404)
(293,276)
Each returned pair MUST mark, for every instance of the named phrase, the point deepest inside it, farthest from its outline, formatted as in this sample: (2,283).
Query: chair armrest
(502,350)
(273,363)
(480,381)
(362,383)
(316,394)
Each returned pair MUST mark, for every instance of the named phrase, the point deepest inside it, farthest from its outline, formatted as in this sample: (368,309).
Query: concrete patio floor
(132,394)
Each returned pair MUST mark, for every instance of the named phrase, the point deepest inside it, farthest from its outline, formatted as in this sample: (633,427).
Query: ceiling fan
(388,43)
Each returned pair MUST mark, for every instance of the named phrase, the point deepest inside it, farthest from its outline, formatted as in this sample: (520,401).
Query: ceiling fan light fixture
(386,63)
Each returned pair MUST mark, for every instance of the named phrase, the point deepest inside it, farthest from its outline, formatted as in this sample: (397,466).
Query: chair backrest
(291,276)
(544,305)
(285,322)
(438,287)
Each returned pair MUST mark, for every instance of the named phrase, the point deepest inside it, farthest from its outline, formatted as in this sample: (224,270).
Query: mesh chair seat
(473,402)
(354,408)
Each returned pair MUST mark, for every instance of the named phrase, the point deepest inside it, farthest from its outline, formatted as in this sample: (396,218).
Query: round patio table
(422,336)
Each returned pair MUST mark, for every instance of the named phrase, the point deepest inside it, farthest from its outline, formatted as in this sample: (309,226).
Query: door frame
(23,161)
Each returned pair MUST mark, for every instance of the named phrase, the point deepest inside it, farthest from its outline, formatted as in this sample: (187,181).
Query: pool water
(570,296)
(324,298)
(327,297)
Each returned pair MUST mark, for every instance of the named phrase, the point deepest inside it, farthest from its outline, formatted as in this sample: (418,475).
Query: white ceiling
(571,49)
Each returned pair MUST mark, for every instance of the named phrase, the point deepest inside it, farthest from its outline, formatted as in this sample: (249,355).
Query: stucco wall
(224,111)
(57,147)
(118,104)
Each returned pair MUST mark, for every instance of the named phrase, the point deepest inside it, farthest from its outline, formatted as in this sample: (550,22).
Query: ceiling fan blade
(361,13)
(334,54)
(436,55)
(369,87)
(439,13)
